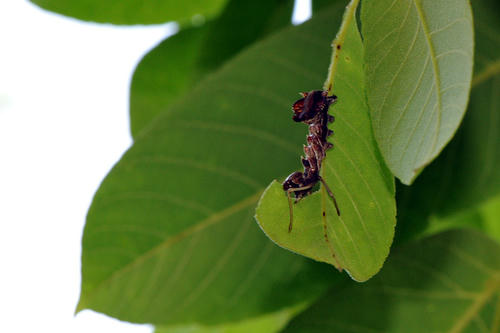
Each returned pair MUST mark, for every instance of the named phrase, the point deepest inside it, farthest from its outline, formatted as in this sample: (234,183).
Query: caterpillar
(311,109)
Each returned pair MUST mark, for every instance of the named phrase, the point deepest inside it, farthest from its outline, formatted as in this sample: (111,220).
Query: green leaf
(170,235)
(464,175)
(178,63)
(490,213)
(418,56)
(484,217)
(446,283)
(476,152)
(163,75)
(133,11)
(359,240)
(270,323)
(319,5)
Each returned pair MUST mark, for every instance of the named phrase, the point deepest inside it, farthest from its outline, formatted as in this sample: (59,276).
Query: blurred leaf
(465,174)
(359,240)
(446,283)
(270,323)
(490,212)
(418,57)
(133,11)
(178,63)
(485,218)
(319,5)
(164,74)
(170,236)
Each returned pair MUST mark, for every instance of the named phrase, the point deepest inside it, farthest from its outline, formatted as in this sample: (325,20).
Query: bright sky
(63,124)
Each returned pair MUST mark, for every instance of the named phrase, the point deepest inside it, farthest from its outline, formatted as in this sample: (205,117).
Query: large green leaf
(178,63)
(446,283)
(269,323)
(465,174)
(133,11)
(170,235)
(359,240)
(418,57)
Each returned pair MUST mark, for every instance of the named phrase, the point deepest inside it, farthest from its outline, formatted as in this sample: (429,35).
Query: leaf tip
(409,178)
(80,307)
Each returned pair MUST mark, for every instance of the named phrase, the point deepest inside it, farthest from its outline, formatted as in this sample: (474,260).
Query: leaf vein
(368,187)
(400,68)
(259,263)
(449,25)
(241,130)
(405,108)
(216,269)
(225,172)
(358,253)
(389,49)
(435,66)
(213,219)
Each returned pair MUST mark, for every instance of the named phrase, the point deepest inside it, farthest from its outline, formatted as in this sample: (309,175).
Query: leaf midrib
(492,287)
(337,44)
(427,35)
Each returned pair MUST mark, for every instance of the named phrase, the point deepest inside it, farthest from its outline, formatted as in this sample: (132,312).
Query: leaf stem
(490,71)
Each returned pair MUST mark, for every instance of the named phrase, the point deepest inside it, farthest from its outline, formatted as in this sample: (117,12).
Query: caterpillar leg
(330,193)
(290,205)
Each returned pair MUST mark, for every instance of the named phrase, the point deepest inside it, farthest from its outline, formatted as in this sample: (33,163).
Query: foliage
(196,51)
(416,95)
(359,239)
(134,11)
(171,238)
(445,283)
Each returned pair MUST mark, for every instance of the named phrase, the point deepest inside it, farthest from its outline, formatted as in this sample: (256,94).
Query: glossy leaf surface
(170,236)
(419,56)
(359,240)
(446,283)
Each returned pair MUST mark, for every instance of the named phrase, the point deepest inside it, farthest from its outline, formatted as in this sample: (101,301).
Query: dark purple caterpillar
(312,109)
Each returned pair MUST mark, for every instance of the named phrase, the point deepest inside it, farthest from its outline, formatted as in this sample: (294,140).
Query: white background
(63,124)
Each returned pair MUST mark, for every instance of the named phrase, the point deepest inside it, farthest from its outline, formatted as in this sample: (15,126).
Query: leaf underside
(464,175)
(418,64)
